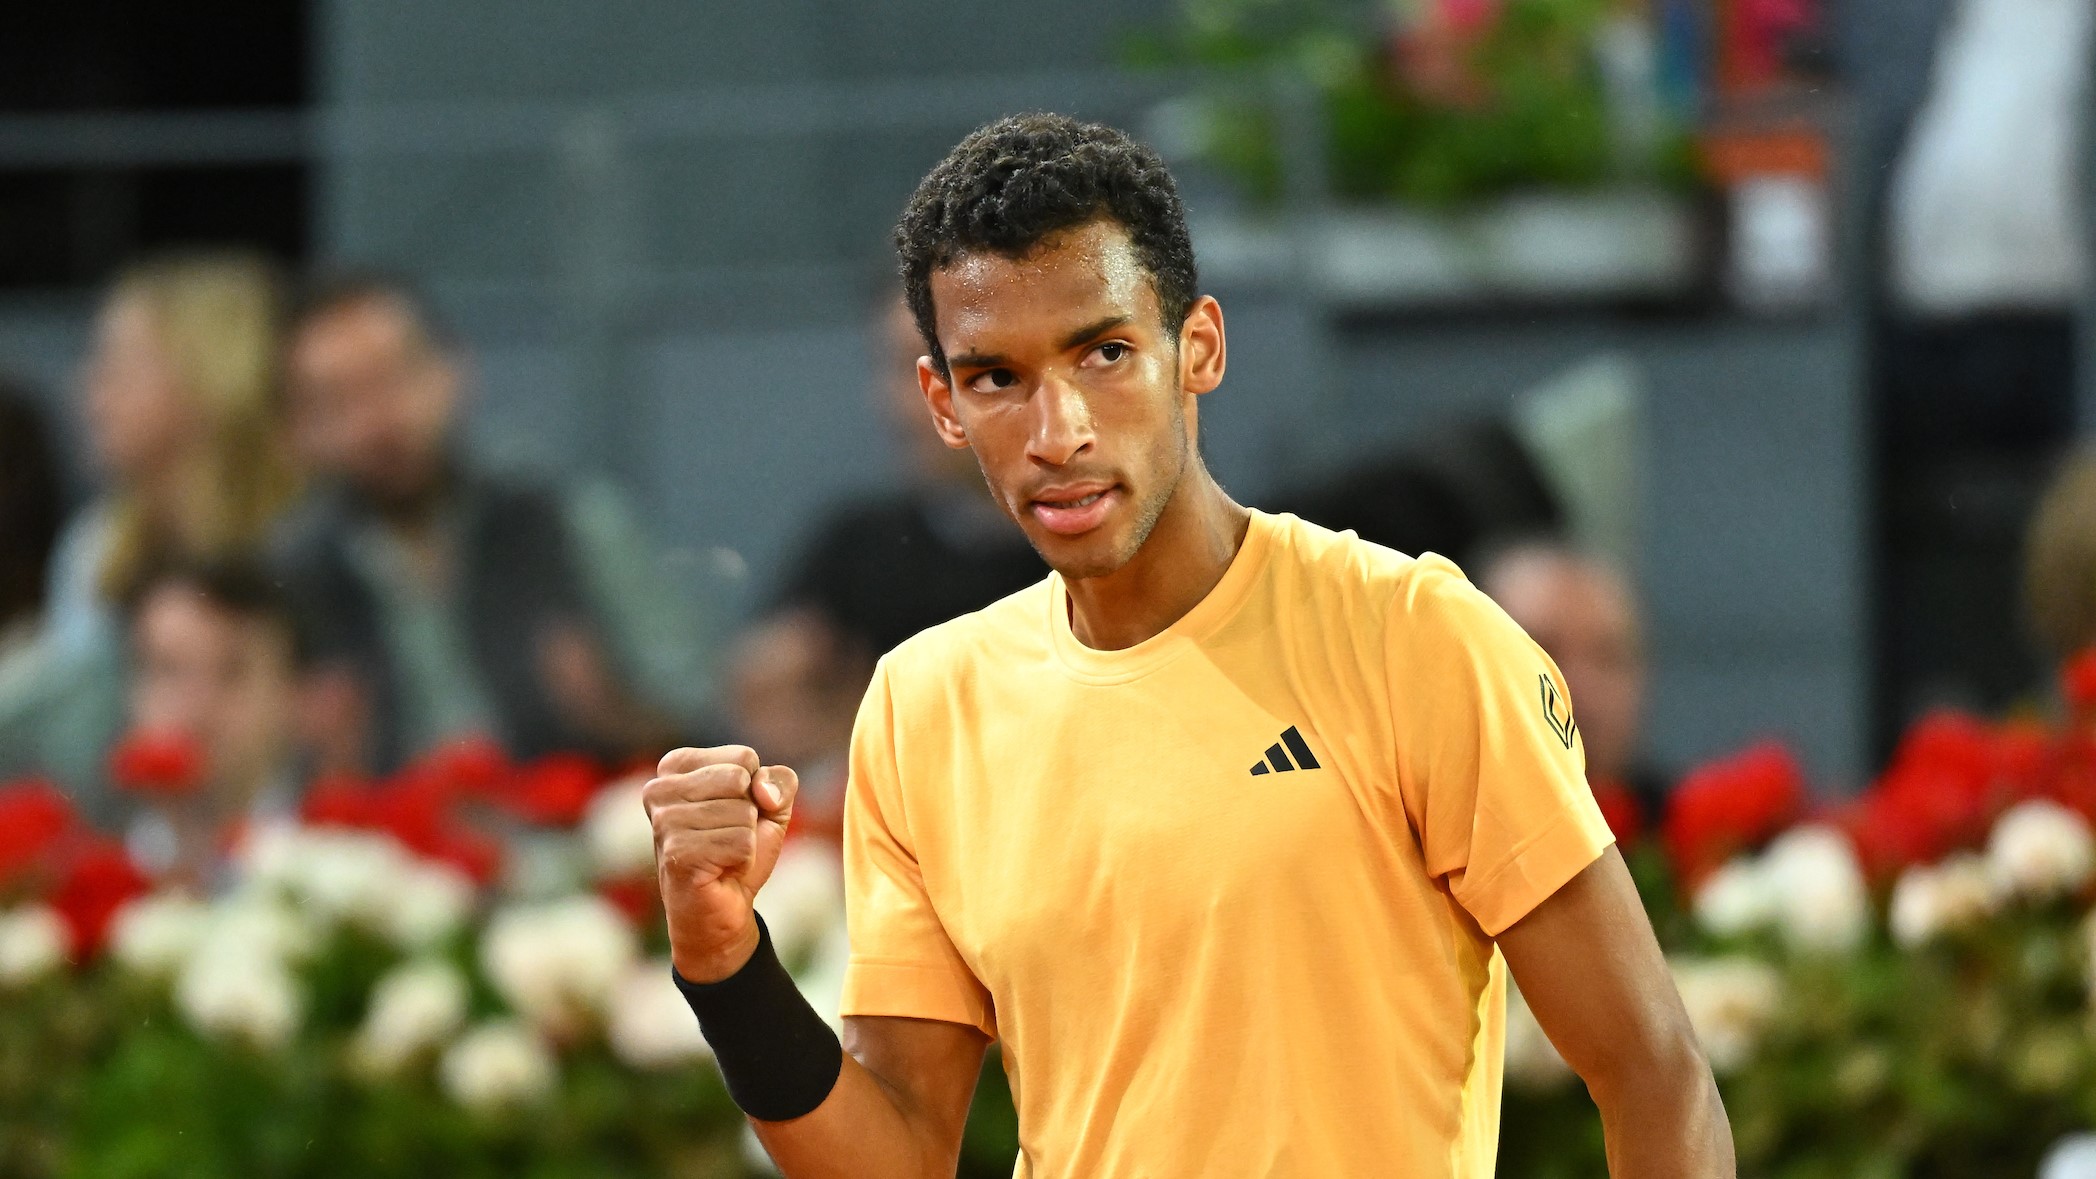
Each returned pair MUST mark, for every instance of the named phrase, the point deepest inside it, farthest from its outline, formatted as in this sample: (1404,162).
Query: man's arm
(1592,972)
(901,1089)
(897,1111)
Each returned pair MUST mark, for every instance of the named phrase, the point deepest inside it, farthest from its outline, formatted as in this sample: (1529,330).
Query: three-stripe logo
(1277,760)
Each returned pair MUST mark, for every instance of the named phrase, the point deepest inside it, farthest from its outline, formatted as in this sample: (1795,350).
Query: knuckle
(654,795)
(678,761)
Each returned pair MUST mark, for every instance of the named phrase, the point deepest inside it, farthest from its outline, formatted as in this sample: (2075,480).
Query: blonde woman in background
(179,395)
(180,401)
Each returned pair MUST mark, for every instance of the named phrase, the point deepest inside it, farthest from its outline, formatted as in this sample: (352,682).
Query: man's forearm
(1666,1122)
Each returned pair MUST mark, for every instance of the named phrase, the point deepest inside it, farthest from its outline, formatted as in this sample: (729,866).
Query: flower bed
(1900,985)
(364,1001)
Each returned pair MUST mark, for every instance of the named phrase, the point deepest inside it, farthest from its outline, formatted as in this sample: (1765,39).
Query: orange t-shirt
(1227,896)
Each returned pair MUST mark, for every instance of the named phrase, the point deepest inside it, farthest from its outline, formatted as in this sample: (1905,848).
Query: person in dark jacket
(445,600)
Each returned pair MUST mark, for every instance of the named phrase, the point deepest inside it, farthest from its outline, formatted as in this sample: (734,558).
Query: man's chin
(1077,558)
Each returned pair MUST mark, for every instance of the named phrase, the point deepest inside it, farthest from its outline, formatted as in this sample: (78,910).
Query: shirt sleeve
(1490,762)
(902,961)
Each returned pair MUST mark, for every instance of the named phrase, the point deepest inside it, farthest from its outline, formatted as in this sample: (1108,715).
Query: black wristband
(779,1058)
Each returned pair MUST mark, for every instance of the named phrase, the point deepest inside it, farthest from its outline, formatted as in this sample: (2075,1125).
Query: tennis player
(1230,830)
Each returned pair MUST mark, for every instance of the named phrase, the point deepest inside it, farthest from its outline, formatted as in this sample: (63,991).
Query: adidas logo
(1277,755)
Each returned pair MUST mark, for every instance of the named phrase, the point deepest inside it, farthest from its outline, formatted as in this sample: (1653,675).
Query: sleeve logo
(1558,712)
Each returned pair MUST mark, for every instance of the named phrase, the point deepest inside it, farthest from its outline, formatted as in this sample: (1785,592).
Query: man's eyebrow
(975,360)
(1091,331)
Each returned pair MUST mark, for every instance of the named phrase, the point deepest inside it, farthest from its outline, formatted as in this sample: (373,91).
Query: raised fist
(720,818)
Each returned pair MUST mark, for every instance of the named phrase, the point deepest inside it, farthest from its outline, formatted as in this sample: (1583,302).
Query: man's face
(220,679)
(1070,389)
(373,400)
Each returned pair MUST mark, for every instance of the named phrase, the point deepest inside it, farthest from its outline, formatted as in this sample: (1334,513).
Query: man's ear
(938,394)
(1202,348)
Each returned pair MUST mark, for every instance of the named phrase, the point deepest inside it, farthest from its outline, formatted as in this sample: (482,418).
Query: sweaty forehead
(1075,277)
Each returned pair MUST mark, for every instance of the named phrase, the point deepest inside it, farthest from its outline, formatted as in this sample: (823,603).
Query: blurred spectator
(179,397)
(30,511)
(213,701)
(1446,495)
(1583,613)
(1985,261)
(2060,559)
(180,400)
(877,570)
(445,599)
(883,567)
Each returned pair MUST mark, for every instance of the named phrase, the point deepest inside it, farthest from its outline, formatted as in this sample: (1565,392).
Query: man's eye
(1111,351)
(993,380)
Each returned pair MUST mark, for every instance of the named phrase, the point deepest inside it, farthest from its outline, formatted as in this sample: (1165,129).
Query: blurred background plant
(1429,102)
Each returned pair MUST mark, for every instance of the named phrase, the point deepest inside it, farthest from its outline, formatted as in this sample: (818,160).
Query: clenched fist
(720,819)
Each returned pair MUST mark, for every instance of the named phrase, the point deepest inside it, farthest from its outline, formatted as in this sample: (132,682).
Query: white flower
(33,943)
(803,899)
(2072,1157)
(616,830)
(1822,904)
(153,935)
(416,1007)
(1736,899)
(427,904)
(1954,895)
(650,1025)
(259,924)
(554,961)
(500,1063)
(1532,1061)
(229,992)
(1730,1002)
(2041,850)
(349,875)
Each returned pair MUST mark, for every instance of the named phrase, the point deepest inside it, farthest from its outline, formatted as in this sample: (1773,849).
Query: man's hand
(720,819)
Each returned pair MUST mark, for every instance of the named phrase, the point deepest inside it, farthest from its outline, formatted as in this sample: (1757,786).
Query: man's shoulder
(1325,570)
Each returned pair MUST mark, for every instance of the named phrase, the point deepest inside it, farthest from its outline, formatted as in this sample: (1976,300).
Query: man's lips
(1069,511)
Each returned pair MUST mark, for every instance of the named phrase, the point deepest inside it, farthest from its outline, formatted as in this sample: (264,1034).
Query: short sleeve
(1490,762)
(902,962)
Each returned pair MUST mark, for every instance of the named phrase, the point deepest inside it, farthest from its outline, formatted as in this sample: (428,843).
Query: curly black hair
(1015,182)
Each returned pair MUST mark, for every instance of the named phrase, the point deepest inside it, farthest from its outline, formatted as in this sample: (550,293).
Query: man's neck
(1187,553)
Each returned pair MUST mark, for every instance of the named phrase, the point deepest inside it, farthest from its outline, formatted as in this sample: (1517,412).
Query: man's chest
(1080,825)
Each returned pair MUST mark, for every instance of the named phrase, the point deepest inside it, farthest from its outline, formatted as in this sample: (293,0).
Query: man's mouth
(1073,511)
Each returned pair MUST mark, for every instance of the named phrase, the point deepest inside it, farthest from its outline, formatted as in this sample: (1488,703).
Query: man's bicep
(1588,965)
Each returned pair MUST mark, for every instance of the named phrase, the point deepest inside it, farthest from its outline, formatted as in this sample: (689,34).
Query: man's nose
(1062,423)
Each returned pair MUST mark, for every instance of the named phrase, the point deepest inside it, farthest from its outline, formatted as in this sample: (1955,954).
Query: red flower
(34,816)
(479,856)
(2078,682)
(636,896)
(96,880)
(1948,778)
(1625,815)
(338,800)
(1729,806)
(166,764)
(470,765)
(554,790)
